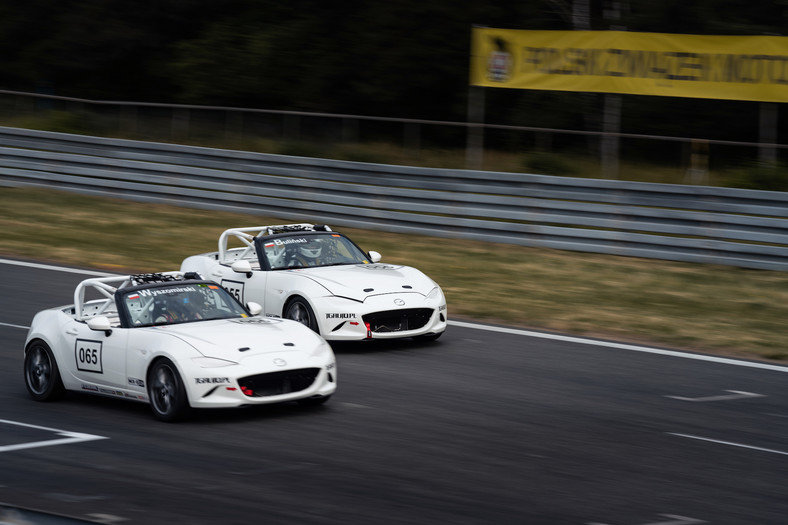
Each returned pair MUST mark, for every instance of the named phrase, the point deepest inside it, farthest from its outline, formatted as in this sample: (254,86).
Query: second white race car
(174,341)
(322,279)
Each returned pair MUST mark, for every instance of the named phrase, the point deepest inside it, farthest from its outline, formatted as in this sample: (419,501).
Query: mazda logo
(280,362)
(399,302)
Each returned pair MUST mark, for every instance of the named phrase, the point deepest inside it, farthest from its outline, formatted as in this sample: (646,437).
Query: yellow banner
(696,66)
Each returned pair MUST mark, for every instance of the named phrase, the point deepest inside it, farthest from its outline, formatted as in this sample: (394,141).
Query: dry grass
(705,308)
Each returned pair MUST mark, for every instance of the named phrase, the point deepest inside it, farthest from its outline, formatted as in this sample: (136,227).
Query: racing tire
(42,376)
(299,310)
(313,401)
(166,392)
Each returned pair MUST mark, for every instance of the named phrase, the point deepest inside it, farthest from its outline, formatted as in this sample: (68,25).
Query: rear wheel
(42,377)
(166,391)
(299,310)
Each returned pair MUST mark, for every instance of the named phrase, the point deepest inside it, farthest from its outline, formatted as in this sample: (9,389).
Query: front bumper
(380,317)
(236,386)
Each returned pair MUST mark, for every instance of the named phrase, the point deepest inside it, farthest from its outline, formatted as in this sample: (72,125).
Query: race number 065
(88,355)
(235,288)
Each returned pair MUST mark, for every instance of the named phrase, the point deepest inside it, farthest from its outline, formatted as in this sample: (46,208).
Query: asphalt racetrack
(484,426)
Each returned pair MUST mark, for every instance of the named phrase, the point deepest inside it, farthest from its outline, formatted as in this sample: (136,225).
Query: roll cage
(106,288)
(248,235)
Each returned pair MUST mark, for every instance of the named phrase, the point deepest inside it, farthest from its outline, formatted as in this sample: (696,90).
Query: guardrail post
(474,149)
(233,124)
(767,153)
(611,125)
(699,162)
(180,124)
(349,130)
(127,124)
(292,125)
(412,138)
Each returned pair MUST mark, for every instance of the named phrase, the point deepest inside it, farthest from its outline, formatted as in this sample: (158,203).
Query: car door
(243,287)
(98,360)
(232,281)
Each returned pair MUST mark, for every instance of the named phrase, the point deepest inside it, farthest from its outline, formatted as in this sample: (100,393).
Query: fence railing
(701,224)
(690,157)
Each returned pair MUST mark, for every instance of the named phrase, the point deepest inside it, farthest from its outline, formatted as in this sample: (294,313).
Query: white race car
(320,278)
(176,342)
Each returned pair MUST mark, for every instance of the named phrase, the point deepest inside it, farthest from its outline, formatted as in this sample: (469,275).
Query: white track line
(729,443)
(55,268)
(621,346)
(65,439)
(15,326)
(503,330)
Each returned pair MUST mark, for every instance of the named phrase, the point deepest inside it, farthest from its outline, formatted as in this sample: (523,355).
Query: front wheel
(166,391)
(299,310)
(42,377)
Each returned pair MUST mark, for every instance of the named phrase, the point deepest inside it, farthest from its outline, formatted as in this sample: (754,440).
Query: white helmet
(311,250)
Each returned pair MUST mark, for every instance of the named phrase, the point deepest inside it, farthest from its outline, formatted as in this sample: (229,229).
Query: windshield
(180,303)
(301,251)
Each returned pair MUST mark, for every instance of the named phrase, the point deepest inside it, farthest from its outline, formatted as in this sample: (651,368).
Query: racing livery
(319,277)
(177,342)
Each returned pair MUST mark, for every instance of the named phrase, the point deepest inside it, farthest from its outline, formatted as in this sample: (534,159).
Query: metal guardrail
(702,224)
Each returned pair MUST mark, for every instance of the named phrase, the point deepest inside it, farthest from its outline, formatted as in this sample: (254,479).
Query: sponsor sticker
(256,320)
(379,267)
(211,380)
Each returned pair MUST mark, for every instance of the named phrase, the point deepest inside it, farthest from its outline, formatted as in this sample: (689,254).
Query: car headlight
(212,362)
(434,293)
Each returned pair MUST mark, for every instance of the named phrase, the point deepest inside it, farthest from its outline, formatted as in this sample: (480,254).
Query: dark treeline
(407,58)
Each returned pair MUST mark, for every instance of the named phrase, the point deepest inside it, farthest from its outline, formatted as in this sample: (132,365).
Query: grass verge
(713,309)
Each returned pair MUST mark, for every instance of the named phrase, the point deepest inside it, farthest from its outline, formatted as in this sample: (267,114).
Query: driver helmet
(193,302)
(311,250)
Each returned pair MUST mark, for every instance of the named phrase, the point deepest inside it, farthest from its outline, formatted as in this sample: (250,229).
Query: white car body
(220,353)
(348,295)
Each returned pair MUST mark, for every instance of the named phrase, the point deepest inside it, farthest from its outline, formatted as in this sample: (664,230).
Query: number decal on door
(235,288)
(88,356)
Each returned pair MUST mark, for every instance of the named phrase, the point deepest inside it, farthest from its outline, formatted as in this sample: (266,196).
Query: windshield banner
(695,66)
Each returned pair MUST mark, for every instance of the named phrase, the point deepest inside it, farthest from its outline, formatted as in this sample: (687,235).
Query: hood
(360,281)
(237,339)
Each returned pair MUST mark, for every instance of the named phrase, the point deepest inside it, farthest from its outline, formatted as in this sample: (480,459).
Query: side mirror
(374,256)
(242,266)
(254,308)
(100,323)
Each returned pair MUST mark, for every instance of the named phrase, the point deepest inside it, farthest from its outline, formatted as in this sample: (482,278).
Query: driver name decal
(165,291)
(282,242)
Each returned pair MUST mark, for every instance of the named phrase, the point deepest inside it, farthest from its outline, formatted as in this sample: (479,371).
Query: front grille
(278,383)
(398,320)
